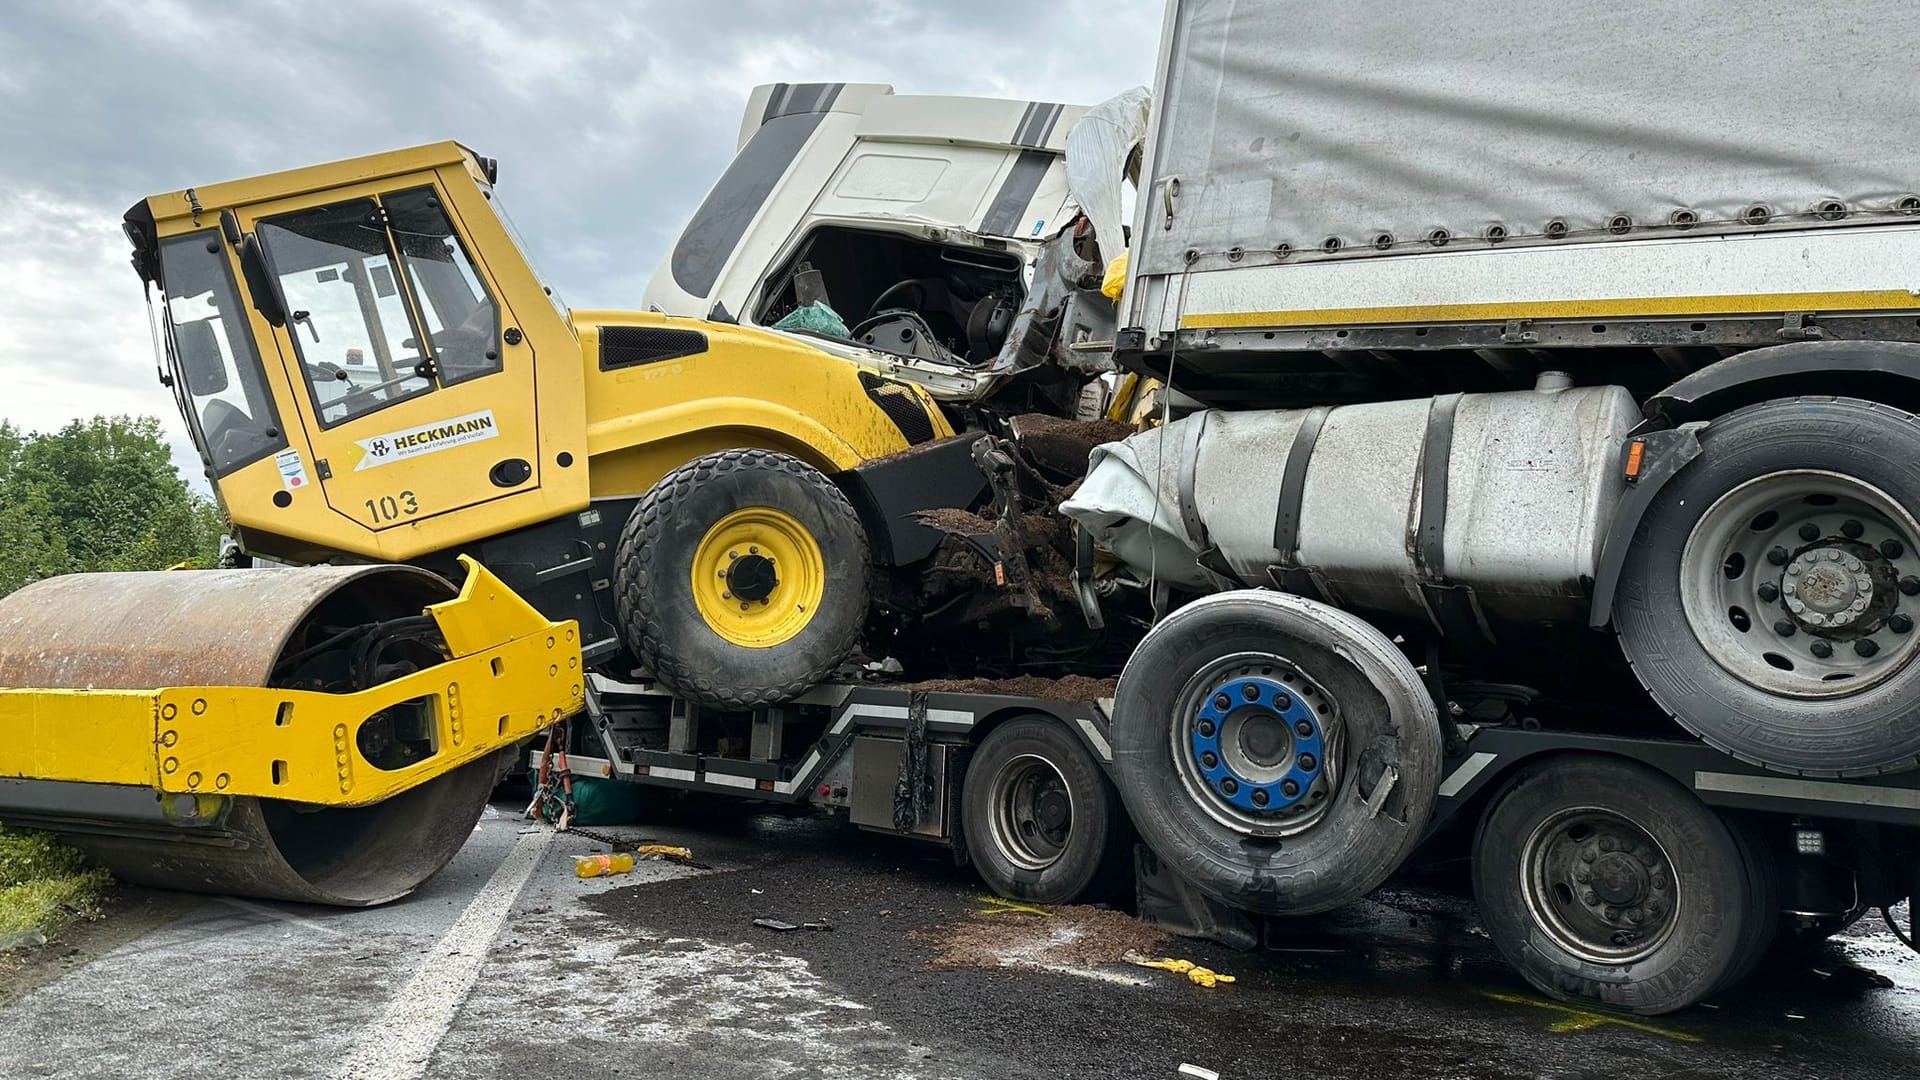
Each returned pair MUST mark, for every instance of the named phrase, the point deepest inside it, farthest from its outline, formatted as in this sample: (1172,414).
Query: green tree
(98,494)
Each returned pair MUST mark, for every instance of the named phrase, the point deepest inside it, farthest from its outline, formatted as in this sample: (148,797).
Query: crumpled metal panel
(1294,122)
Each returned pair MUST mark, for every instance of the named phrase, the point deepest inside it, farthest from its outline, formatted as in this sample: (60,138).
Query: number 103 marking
(393,507)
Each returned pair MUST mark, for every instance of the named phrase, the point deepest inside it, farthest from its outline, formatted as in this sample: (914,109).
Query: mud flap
(1173,904)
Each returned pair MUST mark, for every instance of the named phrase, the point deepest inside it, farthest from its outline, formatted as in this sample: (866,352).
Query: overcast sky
(610,121)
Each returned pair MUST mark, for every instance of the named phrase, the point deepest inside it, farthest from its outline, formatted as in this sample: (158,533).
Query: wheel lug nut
(1260,797)
(1892,549)
(1209,759)
(1778,556)
(1281,702)
(1610,913)
(1222,702)
(1303,729)
(1589,897)
(726,596)
(1784,627)
(1206,729)
(1769,592)
(1865,647)
(1910,585)
(1809,532)
(1230,786)
(1851,529)
(1582,875)
(1250,692)
(1821,648)
(1636,916)
(1289,788)
(1307,763)
(1900,623)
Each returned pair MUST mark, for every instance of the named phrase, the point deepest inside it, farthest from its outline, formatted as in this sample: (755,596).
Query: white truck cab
(922,215)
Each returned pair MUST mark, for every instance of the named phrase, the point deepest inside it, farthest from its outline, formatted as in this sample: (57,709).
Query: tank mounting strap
(513,674)
(1287,573)
(1209,555)
(1452,608)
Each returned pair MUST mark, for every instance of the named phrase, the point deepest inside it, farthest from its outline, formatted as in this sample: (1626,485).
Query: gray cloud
(610,121)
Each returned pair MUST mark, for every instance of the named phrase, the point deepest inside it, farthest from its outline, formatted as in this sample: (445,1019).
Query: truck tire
(743,578)
(1794,557)
(1280,754)
(1041,821)
(1602,880)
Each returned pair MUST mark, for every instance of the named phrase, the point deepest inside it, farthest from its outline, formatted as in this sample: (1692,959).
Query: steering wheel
(888,298)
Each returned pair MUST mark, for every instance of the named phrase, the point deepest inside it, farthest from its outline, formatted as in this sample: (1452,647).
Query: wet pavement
(507,965)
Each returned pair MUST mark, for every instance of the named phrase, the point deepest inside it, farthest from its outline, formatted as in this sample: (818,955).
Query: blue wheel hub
(1259,747)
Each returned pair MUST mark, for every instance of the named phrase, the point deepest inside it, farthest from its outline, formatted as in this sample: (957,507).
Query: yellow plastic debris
(1199,976)
(1116,279)
(664,851)
(588,866)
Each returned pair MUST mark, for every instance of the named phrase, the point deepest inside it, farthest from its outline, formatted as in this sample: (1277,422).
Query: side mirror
(198,353)
(260,282)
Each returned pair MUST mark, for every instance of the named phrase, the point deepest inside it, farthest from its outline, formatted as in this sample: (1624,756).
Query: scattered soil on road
(1074,936)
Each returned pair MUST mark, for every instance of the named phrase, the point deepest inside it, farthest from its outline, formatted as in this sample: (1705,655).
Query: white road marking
(398,1045)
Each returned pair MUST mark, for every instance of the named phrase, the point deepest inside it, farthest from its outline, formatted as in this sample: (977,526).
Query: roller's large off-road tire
(743,578)
(1770,598)
(1279,753)
(1603,881)
(1041,821)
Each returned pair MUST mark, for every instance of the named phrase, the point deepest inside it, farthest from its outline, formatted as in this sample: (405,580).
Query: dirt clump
(1067,688)
(1061,446)
(950,519)
(1073,936)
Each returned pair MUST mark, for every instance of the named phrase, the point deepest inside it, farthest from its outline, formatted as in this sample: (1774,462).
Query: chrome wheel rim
(1031,812)
(1599,885)
(1256,743)
(1804,583)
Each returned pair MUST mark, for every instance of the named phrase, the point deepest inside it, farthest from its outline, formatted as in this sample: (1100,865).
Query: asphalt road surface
(507,965)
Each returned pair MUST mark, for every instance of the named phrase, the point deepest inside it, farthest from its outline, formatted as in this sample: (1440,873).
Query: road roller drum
(324,734)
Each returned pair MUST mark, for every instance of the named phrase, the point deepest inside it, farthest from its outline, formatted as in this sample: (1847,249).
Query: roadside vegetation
(99,494)
(45,887)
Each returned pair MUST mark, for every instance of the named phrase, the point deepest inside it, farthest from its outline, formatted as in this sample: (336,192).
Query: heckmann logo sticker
(426,439)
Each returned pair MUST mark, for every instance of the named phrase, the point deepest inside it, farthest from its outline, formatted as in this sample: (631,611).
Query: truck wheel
(742,578)
(1040,819)
(1602,880)
(1280,754)
(1795,557)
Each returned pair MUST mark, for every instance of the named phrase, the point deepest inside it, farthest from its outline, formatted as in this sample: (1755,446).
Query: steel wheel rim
(1283,814)
(1797,563)
(1030,812)
(1599,885)
(758,577)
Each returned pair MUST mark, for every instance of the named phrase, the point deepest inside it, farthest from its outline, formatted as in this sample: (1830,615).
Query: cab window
(463,322)
(216,368)
(357,344)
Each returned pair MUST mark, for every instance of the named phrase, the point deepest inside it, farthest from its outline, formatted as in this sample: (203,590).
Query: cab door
(413,382)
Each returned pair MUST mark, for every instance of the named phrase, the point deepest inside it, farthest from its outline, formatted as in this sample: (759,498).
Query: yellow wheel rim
(758,576)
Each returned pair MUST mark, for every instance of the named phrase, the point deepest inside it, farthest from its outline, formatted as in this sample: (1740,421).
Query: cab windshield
(211,354)
(383,303)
